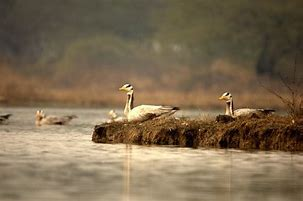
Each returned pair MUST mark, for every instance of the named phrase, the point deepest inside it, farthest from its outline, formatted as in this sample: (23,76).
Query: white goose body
(42,119)
(229,110)
(143,112)
(247,111)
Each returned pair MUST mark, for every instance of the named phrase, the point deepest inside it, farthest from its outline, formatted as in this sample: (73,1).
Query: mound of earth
(253,132)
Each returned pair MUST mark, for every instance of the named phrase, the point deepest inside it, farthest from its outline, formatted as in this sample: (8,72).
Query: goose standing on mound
(143,112)
(42,119)
(243,111)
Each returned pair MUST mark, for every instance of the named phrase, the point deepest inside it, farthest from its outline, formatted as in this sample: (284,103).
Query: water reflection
(188,174)
(126,172)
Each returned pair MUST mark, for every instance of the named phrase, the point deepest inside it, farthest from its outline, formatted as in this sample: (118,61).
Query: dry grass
(183,88)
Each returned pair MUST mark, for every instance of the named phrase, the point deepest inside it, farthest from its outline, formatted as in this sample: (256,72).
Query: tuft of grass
(293,100)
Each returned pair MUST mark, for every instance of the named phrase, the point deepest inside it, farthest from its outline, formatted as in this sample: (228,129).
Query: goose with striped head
(229,110)
(143,112)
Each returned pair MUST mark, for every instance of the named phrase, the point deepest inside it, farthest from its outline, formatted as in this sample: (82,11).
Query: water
(62,163)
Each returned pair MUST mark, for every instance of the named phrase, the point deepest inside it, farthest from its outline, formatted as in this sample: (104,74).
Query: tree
(260,32)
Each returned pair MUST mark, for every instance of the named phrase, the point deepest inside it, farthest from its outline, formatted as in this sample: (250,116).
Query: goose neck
(229,110)
(129,105)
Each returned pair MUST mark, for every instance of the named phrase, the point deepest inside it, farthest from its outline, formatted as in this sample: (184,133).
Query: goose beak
(122,89)
(221,98)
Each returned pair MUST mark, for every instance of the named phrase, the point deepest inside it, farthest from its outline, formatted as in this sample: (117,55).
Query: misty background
(186,53)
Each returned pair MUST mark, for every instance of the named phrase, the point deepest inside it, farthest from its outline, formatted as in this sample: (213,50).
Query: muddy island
(253,132)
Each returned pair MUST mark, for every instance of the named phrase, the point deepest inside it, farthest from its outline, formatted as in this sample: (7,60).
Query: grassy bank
(272,133)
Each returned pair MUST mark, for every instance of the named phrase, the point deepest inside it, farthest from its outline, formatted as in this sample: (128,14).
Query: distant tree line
(71,34)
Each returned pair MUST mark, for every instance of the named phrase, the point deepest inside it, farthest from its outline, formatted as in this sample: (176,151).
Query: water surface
(62,163)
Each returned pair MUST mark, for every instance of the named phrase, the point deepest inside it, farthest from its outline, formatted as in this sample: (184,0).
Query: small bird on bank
(4,118)
(229,110)
(143,112)
(113,117)
(43,119)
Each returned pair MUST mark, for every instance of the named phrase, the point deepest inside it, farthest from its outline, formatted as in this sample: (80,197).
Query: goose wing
(145,112)
(5,116)
(244,111)
(247,111)
(57,120)
(266,111)
(52,120)
(2,120)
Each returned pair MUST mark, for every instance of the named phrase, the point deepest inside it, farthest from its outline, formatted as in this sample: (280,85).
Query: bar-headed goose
(42,119)
(240,112)
(143,112)
(4,118)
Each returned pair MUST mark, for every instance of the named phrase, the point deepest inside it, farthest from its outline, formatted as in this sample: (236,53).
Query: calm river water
(62,163)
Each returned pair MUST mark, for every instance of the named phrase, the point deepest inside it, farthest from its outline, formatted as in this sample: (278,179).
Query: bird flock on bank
(142,112)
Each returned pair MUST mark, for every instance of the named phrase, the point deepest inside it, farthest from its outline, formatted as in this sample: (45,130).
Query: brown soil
(254,132)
